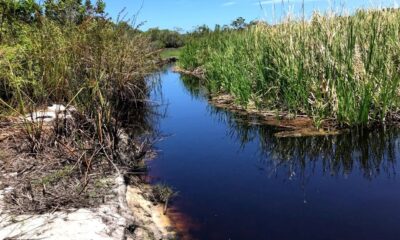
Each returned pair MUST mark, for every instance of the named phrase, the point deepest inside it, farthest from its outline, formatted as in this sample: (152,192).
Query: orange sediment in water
(182,223)
(152,218)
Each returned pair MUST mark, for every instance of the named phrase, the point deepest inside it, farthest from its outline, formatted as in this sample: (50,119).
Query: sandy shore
(126,209)
(149,219)
(124,213)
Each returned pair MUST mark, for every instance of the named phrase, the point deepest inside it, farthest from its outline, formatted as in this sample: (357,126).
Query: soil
(298,126)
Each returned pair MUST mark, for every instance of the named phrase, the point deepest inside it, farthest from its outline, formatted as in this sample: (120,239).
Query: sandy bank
(110,210)
(127,214)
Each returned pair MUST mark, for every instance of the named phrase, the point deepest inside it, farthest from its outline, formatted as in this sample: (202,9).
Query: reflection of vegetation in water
(372,152)
(194,87)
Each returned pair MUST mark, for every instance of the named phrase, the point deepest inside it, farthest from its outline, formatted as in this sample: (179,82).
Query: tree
(13,12)
(239,23)
(201,30)
(100,7)
(165,38)
(73,11)
(24,11)
(217,28)
(258,22)
(64,11)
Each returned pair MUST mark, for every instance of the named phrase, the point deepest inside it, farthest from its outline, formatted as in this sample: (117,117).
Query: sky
(187,14)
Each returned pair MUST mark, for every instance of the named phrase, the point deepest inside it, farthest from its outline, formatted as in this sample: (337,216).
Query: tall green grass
(345,68)
(97,66)
(87,61)
(98,59)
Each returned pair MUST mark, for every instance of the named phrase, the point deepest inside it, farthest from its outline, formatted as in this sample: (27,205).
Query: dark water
(237,181)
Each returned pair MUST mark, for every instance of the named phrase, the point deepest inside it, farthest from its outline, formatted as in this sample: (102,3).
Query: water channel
(236,180)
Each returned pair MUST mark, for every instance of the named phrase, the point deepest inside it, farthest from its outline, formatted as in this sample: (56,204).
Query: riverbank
(58,193)
(236,180)
(125,215)
(300,125)
(60,160)
(168,56)
(335,66)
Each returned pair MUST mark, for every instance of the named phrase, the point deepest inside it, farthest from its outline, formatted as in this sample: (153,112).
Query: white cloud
(229,4)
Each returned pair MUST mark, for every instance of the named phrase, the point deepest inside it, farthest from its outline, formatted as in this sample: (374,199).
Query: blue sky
(187,14)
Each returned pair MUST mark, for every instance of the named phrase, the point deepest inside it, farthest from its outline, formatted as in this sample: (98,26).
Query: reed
(345,68)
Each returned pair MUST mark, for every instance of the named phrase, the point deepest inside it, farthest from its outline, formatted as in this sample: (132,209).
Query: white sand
(105,222)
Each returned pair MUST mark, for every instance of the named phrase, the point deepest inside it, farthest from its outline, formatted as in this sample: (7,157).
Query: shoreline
(290,125)
(299,126)
(127,215)
(123,211)
(149,219)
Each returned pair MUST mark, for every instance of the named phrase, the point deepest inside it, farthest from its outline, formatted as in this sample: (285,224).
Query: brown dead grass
(64,174)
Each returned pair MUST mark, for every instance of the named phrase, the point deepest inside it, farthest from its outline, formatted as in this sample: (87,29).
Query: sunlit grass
(171,53)
(341,67)
(96,66)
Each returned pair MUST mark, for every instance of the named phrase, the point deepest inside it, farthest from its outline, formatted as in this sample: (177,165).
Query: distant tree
(163,38)
(239,23)
(73,11)
(88,5)
(178,29)
(13,10)
(257,22)
(225,27)
(217,28)
(124,26)
(64,11)
(201,30)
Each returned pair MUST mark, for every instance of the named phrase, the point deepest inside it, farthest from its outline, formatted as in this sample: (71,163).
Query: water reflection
(194,87)
(370,152)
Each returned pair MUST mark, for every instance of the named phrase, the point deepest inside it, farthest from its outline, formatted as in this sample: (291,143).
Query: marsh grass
(98,67)
(170,53)
(345,68)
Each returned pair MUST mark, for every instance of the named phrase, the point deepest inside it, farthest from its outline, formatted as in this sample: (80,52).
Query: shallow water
(237,181)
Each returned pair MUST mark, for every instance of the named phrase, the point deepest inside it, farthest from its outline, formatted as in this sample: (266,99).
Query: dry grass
(71,170)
